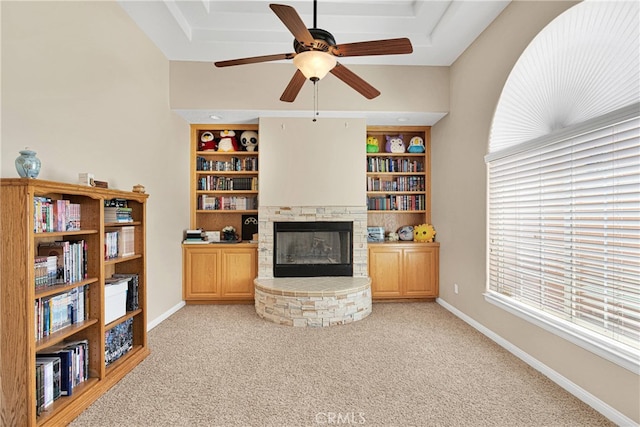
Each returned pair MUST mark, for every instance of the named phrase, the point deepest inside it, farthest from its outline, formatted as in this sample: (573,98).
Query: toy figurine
(395,144)
(372,145)
(228,141)
(249,140)
(416,145)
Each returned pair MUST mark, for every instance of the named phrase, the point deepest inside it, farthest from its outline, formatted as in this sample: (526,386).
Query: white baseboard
(164,316)
(597,404)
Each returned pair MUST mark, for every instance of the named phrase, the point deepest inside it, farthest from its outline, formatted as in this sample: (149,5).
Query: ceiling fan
(315,52)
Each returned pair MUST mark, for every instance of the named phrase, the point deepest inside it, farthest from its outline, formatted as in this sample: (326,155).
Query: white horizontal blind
(564,230)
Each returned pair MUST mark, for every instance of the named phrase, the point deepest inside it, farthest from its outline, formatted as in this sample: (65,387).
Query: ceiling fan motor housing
(322,41)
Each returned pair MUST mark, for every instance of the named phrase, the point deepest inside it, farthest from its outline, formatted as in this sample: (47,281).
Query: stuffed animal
(372,145)
(249,140)
(405,232)
(207,141)
(395,144)
(424,233)
(228,141)
(416,145)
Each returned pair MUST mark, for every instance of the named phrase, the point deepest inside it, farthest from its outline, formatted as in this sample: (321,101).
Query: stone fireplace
(312,172)
(269,216)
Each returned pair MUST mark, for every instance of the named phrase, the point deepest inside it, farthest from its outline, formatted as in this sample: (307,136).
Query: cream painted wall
(199,85)
(459,143)
(307,163)
(88,91)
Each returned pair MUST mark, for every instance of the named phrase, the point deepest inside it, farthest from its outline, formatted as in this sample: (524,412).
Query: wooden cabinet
(219,272)
(24,333)
(399,194)
(403,270)
(224,192)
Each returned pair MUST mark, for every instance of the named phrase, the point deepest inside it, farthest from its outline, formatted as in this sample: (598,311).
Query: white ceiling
(215,30)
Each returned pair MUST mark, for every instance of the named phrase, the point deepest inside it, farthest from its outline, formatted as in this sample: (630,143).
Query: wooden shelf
(18,296)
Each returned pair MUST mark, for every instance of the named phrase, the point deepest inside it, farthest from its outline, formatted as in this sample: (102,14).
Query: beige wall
(199,85)
(459,143)
(88,91)
(307,163)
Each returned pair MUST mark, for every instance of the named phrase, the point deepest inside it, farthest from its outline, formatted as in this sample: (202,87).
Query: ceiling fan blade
(293,22)
(374,47)
(357,83)
(254,59)
(293,88)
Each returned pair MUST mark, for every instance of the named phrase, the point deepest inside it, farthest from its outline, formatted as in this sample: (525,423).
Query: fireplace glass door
(308,249)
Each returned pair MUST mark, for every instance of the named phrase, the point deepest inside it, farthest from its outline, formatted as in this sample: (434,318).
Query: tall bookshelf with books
(399,194)
(224,193)
(73,319)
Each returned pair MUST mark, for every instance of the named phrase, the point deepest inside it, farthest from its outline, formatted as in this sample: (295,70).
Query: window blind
(564,229)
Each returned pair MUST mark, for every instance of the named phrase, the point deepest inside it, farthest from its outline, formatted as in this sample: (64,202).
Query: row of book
(56,312)
(59,369)
(386,164)
(71,262)
(118,341)
(119,243)
(207,202)
(233,164)
(133,280)
(397,203)
(118,214)
(401,183)
(225,183)
(55,215)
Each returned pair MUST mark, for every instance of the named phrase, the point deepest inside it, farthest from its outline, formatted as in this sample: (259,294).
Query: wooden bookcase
(18,296)
(216,219)
(399,195)
(221,272)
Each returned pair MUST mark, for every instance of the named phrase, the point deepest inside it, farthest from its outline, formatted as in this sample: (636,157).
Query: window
(564,233)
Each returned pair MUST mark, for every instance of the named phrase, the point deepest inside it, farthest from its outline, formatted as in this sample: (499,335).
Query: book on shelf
(55,215)
(227,203)
(133,302)
(52,379)
(66,357)
(71,257)
(74,363)
(56,312)
(118,341)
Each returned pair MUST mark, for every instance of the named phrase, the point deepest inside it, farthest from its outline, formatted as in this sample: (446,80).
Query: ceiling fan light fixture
(314,64)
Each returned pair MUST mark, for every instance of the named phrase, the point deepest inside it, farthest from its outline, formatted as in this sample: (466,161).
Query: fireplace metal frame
(313,270)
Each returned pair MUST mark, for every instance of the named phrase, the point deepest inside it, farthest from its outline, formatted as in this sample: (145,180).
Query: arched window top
(584,64)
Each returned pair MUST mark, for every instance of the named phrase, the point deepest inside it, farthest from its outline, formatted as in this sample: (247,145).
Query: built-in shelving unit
(399,194)
(224,192)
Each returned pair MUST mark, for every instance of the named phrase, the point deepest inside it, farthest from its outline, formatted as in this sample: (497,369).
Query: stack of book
(195,236)
(59,369)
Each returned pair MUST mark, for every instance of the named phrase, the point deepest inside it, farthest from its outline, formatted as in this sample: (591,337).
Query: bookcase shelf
(395,183)
(22,338)
(400,173)
(221,272)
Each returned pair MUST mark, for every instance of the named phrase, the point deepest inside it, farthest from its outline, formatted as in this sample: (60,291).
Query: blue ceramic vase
(27,164)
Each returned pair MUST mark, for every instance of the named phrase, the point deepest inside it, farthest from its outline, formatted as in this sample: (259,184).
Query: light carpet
(407,364)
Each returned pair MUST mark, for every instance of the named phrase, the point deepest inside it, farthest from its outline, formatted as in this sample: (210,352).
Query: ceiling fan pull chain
(315,100)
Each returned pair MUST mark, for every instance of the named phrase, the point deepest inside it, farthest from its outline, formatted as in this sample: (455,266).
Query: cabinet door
(201,273)
(239,269)
(421,272)
(385,263)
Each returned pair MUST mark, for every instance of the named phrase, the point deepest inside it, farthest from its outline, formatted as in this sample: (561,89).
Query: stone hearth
(313,301)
